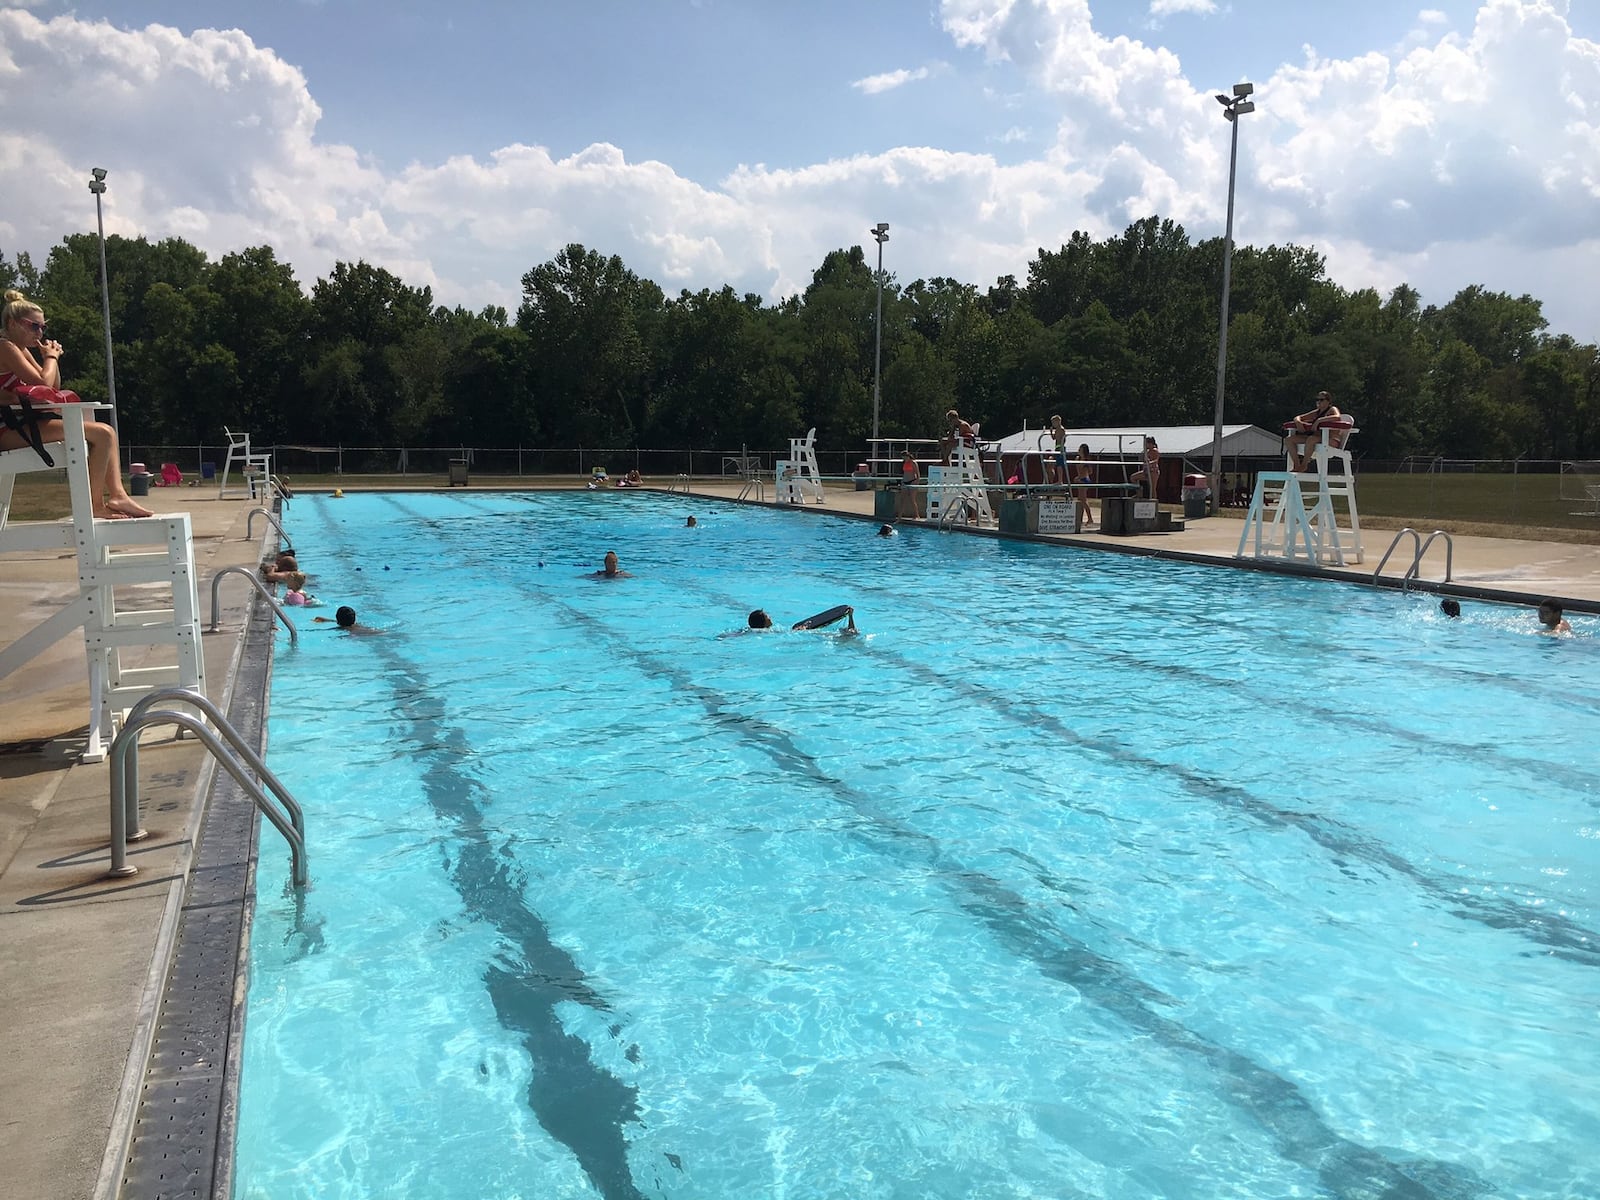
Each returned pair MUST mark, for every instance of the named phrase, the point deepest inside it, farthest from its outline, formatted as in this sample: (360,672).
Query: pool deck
(82,958)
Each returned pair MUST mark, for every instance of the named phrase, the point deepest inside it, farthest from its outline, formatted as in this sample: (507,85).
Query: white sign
(1058,516)
(1144,510)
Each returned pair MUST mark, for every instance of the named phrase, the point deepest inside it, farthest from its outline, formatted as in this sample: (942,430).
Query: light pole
(881,232)
(97,185)
(1233,107)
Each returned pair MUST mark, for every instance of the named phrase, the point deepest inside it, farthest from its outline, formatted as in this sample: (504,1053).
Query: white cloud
(1165,8)
(873,84)
(1463,159)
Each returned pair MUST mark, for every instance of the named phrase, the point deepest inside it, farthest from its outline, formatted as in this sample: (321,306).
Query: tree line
(1115,332)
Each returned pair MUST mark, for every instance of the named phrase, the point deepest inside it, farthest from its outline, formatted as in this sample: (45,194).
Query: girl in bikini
(29,359)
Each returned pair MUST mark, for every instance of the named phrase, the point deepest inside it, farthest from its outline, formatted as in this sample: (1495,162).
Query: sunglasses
(37,326)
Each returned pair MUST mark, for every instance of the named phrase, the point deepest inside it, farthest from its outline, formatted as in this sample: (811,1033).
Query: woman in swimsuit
(1084,476)
(29,359)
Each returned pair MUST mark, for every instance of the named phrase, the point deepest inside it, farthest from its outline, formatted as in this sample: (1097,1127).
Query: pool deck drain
(83,958)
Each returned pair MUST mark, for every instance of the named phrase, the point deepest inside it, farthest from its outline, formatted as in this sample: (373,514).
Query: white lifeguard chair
(805,478)
(113,556)
(255,467)
(1297,514)
(959,492)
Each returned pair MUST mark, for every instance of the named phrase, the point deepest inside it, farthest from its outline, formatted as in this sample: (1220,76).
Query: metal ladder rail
(289,819)
(216,588)
(250,528)
(1449,555)
(1416,541)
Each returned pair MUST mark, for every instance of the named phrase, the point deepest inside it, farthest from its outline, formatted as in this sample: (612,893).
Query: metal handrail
(124,765)
(216,588)
(1420,548)
(1416,539)
(250,528)
(1449,554)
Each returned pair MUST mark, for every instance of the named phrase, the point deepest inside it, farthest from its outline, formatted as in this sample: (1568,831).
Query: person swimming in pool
(612,569)
(759,619)
(1552,620)
(345,618)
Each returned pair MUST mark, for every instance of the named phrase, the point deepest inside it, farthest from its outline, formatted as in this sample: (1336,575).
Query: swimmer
(1450,608)
(885,530)
(611,570)
(345,618)
(295,583)
(1552,620)
(690,523)
(278,568)
(760,619)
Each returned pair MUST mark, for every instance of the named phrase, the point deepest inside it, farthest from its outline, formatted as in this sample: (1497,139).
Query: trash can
(458,472)
(885,504)
(1196,496)
(863,477)
(138,480)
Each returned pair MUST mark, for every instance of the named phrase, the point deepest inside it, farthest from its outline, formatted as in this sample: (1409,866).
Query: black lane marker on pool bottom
(1559,935)
(580,1105)
(1275,1103)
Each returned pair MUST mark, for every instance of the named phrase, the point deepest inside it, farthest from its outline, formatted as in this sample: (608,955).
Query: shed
(1185,449)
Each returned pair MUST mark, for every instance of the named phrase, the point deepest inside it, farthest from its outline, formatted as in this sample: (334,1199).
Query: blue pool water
(1077,875)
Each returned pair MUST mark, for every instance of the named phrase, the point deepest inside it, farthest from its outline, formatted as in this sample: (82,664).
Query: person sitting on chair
(28,361)
(1304,435)
(957,433)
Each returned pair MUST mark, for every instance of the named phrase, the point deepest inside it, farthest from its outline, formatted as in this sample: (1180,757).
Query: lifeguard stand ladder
(1296,515)
(959,491)
(114,557)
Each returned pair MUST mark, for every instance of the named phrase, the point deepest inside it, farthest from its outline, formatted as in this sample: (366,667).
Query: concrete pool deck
(82,958)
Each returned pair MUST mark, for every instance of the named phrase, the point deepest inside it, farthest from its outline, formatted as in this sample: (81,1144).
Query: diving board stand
(123,566)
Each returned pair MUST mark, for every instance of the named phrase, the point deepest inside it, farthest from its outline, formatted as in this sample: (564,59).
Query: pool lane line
(1276,1104)
(580,1105)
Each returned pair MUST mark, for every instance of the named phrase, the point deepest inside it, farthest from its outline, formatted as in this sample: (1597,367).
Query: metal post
(1234,108)
(97,185)
(881,232)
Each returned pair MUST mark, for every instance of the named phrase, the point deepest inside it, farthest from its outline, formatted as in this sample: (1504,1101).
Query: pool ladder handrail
(1421,549)
(286,816)
(266,592)
(250,525)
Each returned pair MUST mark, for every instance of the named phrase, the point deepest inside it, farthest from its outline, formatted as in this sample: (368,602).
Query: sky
(737,142)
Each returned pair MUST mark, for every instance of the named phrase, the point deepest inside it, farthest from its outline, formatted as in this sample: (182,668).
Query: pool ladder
(1420,549)
(286,816)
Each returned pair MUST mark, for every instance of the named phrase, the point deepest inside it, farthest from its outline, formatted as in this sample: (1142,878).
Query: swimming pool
(1077,875)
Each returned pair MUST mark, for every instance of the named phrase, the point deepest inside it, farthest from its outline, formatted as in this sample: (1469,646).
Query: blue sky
(737,141)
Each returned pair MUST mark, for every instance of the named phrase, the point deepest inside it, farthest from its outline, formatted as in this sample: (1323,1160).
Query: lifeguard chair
(803,479)
(113,555)
(1297,514)
(255,466)
(960,491)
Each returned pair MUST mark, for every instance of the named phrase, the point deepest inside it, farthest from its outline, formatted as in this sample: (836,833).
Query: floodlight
(1243,89)
(1223,100)
(1246,107)
(99,173)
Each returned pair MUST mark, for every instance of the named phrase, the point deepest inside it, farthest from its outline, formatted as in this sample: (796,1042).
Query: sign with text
(1144,510)
(1058,516)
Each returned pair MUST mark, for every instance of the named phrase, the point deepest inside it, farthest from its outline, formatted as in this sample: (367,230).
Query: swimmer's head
(885,530)
(295,581)
(1450,608)
(1549,613)
(611,562)
(690,523)
(760,620)
(346,616)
